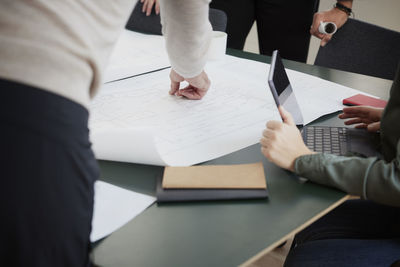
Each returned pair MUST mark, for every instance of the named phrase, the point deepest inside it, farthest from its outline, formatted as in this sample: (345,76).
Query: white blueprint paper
(114,207)
(317,97)
(126,144)
(136,53)
(230,117)
(185,132)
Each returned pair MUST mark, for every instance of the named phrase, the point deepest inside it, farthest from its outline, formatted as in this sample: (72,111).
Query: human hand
(364,117)
(197,88)
(334,15)
(282,143)
(148,6)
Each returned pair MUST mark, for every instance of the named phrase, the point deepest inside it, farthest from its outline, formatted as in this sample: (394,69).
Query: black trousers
(281,24)
(357,233)
(47,175)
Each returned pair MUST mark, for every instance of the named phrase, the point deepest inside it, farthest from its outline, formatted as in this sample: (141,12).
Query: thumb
(174,87)
(286,116)
(176,79)
(374,127)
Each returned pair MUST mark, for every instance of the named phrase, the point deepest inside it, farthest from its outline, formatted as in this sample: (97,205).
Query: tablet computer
(281,88)
(333,140)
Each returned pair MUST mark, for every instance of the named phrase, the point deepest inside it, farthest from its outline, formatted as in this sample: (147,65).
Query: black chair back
(362,48)
(139,22)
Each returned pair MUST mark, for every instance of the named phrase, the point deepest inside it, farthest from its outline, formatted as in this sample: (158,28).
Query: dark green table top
(225,233)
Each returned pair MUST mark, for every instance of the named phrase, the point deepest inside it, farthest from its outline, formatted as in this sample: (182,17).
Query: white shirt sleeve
(187,32)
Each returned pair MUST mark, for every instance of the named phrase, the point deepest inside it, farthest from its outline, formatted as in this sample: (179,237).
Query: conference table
(224,233)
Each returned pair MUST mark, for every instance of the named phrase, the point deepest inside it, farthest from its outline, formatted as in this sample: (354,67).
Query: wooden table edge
(295,231)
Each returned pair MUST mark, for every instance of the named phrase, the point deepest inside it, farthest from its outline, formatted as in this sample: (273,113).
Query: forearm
(187,32)
(370,178)
(344,6)
(346,3)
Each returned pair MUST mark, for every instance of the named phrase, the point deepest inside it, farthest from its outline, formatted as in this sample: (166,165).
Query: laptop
(323,139)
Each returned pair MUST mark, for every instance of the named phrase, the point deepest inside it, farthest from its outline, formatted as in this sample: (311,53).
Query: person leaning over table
(359,232)
(52,54)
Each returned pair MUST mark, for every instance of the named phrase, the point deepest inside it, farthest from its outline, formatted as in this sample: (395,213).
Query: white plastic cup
(217,47)
(327,28)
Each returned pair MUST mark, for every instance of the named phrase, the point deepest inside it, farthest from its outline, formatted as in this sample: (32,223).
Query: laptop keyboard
(326,139)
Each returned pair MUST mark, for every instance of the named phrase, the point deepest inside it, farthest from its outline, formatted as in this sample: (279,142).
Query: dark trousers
(47,175)
(357,233)
(281,24)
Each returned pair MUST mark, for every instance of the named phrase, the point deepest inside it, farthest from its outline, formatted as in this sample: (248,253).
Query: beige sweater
(62,46)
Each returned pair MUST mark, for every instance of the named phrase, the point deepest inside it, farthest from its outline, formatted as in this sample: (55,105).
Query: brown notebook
(242,176)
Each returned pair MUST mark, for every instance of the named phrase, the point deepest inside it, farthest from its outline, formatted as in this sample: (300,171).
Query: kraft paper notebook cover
(182,195)
(223,182)
(241,176)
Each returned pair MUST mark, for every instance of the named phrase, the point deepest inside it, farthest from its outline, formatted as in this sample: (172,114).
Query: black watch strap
(344,8)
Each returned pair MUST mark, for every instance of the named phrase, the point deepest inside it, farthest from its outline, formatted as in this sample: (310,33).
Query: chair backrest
(138,21)
(362,48)
(218,19)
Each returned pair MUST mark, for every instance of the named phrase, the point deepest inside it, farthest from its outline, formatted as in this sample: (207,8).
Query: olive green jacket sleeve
(370,178)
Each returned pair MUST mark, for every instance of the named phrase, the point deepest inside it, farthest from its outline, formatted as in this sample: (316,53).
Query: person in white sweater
(52,55)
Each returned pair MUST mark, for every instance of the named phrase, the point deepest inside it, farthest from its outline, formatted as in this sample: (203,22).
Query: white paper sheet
(230,117)
(128,145)
(317,97)
(114,207)
(136,53)
(185,132)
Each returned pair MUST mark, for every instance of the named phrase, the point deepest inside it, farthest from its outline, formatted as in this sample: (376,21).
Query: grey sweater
(371,178)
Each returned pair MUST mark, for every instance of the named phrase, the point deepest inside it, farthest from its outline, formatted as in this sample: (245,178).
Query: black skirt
(47,175)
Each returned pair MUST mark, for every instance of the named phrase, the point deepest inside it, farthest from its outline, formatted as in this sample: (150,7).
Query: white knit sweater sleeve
(187,32)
